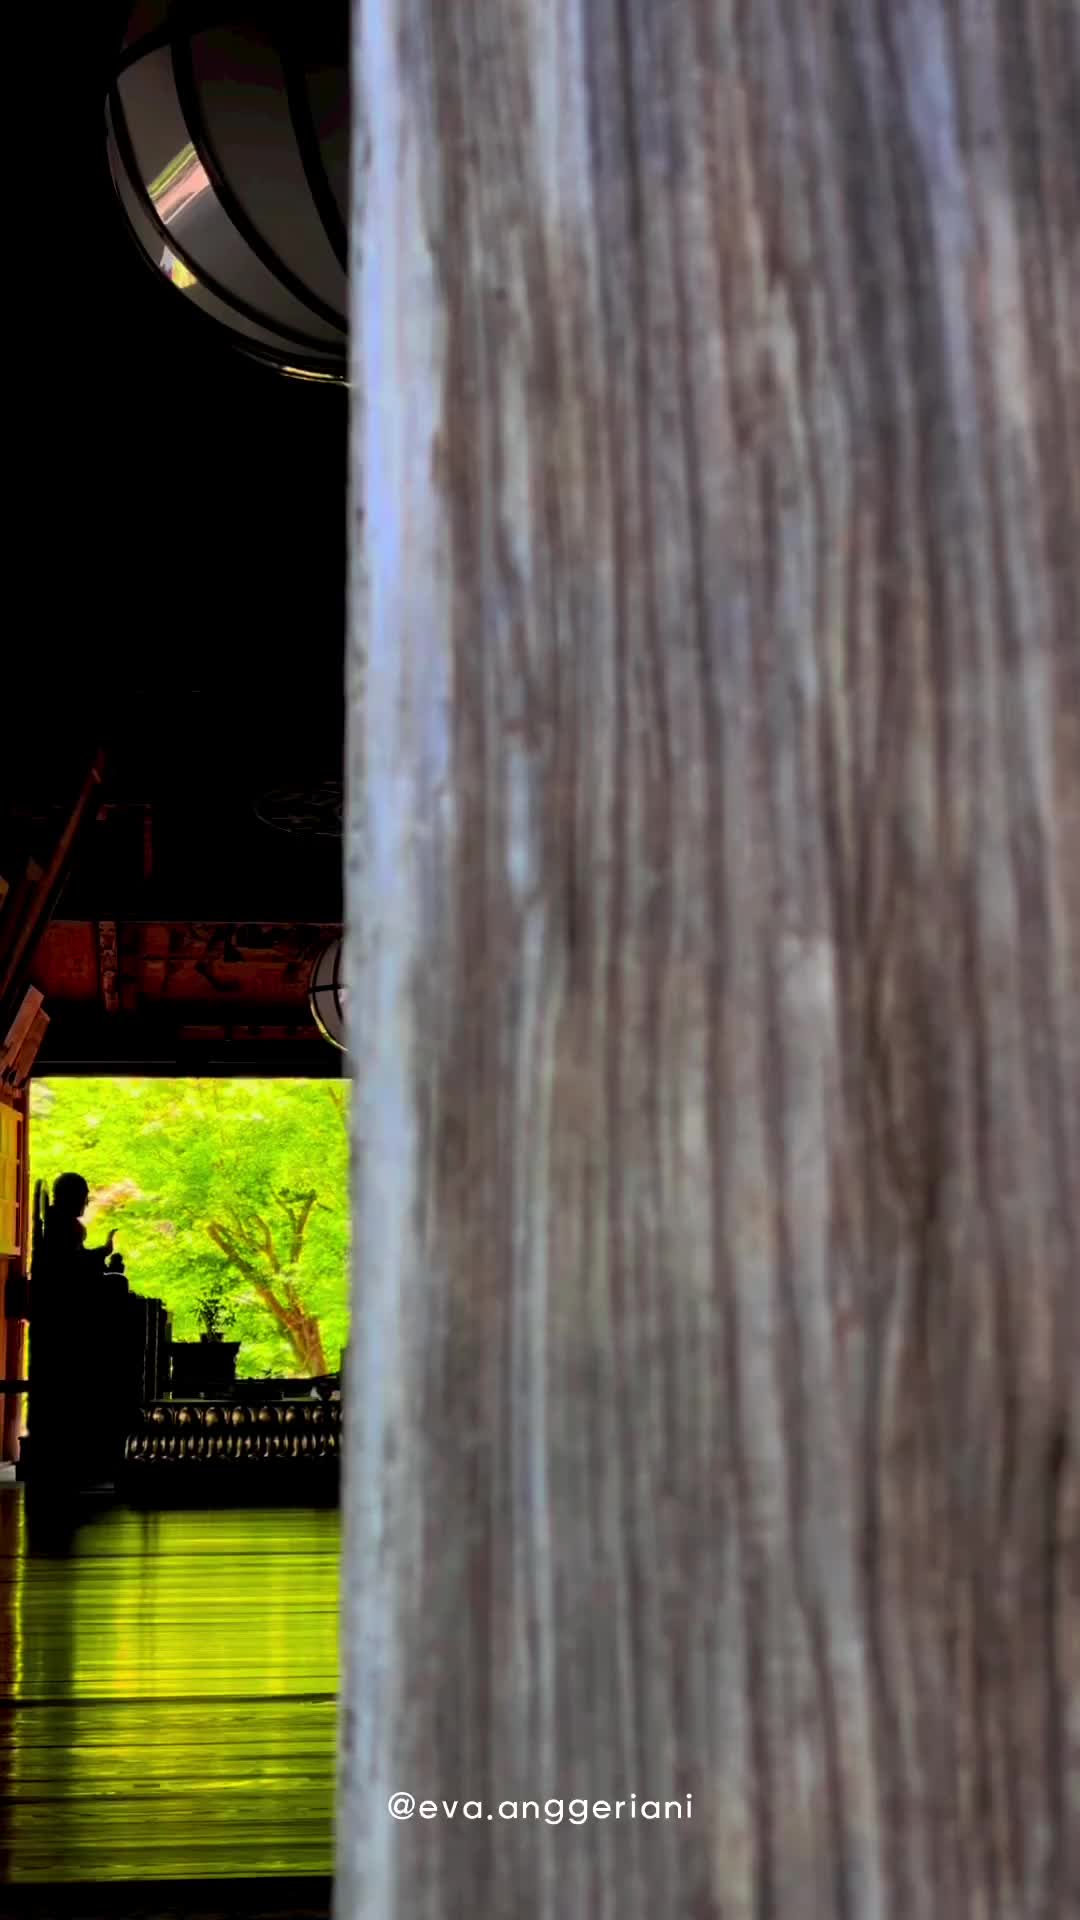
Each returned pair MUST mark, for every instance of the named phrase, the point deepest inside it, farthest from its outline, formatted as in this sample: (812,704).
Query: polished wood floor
(167,1694)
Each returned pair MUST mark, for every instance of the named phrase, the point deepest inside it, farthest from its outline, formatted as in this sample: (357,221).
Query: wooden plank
(20,1067)
(714,879)
(11,1171)
(13,1273)
(29,1008)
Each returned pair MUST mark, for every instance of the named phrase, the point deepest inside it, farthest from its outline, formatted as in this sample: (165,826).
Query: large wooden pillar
(714,883)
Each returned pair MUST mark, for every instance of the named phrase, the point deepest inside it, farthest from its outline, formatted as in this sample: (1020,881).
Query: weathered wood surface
(714,877)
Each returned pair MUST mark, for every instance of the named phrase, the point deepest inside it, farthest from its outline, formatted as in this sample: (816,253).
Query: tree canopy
(241,1184)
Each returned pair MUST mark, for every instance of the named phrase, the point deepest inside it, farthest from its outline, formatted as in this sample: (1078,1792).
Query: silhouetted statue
(63,1235)
(77,1295)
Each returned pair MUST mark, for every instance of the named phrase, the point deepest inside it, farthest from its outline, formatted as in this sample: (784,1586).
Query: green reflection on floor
(169,1684)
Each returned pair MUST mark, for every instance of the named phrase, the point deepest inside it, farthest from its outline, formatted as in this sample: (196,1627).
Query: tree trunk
(714,867)
(306,1336)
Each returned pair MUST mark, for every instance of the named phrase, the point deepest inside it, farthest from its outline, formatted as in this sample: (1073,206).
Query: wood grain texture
(714,879)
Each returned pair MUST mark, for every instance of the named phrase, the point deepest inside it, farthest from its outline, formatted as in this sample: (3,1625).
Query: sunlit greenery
(234,1182)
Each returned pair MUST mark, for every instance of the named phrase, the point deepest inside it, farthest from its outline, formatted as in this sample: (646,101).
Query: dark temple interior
(172,710)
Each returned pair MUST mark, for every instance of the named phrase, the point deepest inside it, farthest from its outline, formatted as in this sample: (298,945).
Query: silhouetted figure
(77,1296)
(63,1239)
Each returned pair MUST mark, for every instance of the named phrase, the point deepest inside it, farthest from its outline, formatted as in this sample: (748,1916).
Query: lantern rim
(331,990)
(229,306)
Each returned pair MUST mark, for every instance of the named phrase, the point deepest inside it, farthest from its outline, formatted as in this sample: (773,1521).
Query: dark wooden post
(714,880)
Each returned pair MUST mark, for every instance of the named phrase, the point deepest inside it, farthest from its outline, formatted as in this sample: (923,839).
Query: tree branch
(266,1243)
(226,1244)
(239,1243)
(298,1220)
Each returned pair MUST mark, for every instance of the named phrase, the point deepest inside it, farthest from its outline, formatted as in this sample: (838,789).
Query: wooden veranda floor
(167,1700)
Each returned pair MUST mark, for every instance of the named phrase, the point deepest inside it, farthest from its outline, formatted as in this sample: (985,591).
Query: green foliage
(214,1310)
(233,1185)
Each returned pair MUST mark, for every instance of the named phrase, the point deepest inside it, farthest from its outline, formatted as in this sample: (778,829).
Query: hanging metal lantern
(228,134)
(327,993)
